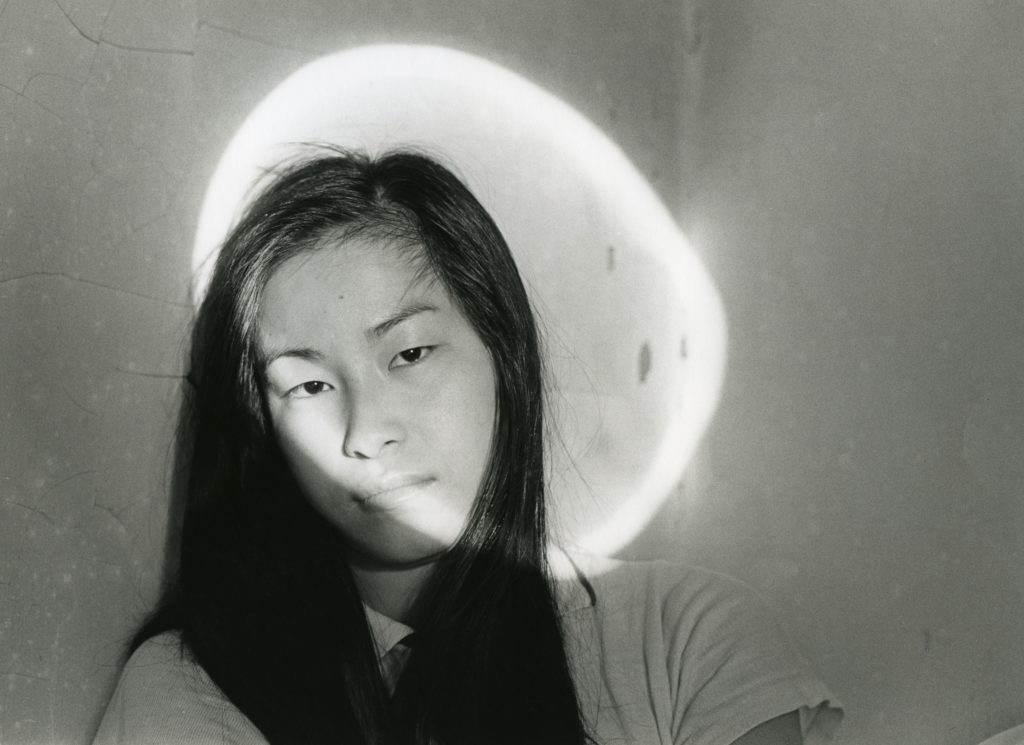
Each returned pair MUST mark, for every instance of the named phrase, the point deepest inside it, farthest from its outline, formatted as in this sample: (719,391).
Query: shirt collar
(573,592)
(387,632)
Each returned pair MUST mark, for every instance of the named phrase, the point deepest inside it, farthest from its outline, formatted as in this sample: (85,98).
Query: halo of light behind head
(635,336)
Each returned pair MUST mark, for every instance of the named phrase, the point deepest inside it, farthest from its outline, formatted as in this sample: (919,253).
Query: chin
(402,552)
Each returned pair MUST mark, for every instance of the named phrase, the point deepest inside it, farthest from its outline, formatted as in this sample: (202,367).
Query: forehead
(342,254)
(353,279)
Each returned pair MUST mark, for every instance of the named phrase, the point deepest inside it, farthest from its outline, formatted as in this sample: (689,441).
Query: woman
(363,554)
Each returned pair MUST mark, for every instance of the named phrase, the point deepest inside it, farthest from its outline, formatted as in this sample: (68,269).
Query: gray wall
(858,200)
(852,176)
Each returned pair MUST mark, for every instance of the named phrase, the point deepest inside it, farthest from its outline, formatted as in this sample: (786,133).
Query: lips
(392,489)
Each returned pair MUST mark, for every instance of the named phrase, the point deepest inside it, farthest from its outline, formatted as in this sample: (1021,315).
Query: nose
(371,425)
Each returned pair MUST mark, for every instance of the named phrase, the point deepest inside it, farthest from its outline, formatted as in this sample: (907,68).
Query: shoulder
(701,622)
(710,643)
(163,696)
(675,593)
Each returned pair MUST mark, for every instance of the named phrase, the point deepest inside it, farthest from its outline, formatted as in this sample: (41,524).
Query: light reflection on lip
(391,488)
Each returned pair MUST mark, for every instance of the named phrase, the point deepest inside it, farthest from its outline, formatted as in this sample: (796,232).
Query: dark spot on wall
(611,258)
(645,361)
(683,351)
(695,29)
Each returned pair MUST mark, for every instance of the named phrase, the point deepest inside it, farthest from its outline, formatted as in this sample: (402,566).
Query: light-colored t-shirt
(661,653)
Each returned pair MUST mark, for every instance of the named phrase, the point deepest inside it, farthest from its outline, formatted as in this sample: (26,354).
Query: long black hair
(263,597)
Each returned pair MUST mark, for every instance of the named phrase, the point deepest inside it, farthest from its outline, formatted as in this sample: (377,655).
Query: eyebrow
(402,315)
(374,333)
(303,353)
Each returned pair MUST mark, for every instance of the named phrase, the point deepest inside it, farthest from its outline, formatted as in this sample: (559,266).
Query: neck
(391,590)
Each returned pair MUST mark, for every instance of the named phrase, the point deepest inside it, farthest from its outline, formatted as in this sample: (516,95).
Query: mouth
(392,491)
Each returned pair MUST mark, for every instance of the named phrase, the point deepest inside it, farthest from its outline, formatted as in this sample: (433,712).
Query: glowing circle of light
(635,334)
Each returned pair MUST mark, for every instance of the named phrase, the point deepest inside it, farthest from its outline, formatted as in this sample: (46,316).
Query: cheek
(482,423)
(456,420)
(472,413)
(307,443)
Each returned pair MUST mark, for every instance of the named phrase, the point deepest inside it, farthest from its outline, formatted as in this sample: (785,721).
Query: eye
(309,388)
(410,357)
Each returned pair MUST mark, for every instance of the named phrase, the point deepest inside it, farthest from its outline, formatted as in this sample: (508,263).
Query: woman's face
(381,396)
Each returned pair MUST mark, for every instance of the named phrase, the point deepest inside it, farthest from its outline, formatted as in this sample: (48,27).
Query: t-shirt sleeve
(163,698)
(732,667)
